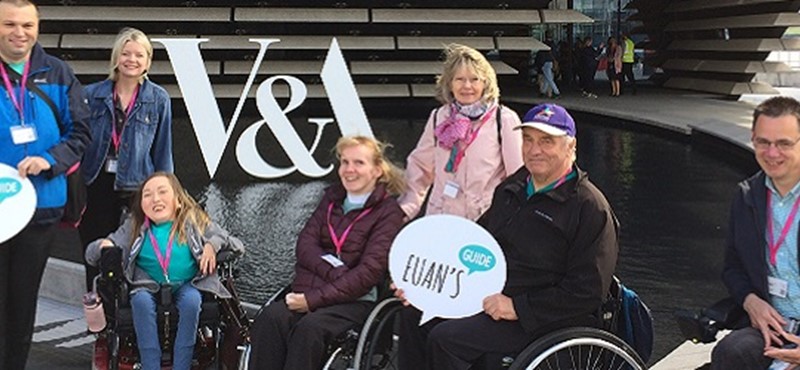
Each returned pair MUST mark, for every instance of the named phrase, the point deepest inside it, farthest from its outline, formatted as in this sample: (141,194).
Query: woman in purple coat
(342,257)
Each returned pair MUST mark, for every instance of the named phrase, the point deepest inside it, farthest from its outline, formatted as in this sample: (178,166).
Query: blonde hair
(133,35)
(186,209)
(457,56)
(391,175)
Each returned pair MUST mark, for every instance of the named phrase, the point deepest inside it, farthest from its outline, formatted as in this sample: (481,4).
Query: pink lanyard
(17,103)
(163,262)
(461,151)
(339,242)
(116,137)
(560,181)
(774,246)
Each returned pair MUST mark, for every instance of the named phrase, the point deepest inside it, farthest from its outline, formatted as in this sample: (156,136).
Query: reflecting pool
(671,198)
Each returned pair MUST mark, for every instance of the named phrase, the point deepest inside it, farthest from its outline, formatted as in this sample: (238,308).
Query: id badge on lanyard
(22,133)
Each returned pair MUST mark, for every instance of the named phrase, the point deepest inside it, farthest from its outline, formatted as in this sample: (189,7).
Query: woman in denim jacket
(168,241)
(131,124)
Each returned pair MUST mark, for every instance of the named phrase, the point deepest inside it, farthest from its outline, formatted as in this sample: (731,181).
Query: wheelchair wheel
(578,349)
(377,344)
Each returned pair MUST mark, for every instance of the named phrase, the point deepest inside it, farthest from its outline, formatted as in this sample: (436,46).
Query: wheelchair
(373,345)
(222,325)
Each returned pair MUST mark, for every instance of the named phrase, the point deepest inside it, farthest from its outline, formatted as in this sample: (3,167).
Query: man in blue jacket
(42,143)
(761,257)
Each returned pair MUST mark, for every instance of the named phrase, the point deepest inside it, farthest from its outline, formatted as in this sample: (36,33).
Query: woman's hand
(105,243)
(399,294)
(297,302)
(208,262)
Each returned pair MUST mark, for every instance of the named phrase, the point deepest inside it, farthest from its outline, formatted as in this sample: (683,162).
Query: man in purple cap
(559,236)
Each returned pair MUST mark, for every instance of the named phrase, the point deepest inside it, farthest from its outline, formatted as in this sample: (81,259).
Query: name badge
(333,260)
(23,134)
(111,165)
(778,287)
(450,189)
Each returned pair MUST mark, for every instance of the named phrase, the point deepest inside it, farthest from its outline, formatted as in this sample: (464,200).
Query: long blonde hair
(457,56)
(392,175)
(186,209)
(133,35)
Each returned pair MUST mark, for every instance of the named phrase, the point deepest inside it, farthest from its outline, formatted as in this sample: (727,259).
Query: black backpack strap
(499,120)
(435,113)
(30,85)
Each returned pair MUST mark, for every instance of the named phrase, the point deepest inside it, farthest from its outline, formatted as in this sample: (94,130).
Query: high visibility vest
(627,54)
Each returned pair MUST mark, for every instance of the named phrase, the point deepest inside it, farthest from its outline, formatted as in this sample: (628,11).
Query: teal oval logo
(8,188)
(476,258)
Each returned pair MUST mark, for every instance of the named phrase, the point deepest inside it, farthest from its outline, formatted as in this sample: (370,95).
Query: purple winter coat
(365,253)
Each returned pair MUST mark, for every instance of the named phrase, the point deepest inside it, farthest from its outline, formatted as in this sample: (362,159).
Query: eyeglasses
(782,144)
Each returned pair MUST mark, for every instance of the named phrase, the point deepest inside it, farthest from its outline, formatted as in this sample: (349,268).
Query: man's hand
(765,318)
(297,302)
(790,355)
(500,307)
(32,166)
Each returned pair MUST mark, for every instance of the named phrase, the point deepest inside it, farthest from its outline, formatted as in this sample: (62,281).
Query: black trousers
(458,343)
(741,349)
(627,73)
(282,339)
(104,211)
(22,262)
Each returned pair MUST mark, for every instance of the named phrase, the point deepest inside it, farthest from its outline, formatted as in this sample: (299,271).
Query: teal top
(531,190)
(18,67)
(182,265)
(348,206)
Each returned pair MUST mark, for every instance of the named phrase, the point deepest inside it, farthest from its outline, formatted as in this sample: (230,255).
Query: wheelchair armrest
(726,313)
(226,256)
(110,263)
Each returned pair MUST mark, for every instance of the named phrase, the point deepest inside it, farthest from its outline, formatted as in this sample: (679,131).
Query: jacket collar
(336,194)
(517,184)
(756,189)
(146,92)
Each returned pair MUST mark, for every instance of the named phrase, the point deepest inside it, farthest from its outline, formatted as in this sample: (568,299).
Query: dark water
(671,200)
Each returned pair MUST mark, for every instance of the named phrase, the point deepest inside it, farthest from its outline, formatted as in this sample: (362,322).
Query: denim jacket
(146,142)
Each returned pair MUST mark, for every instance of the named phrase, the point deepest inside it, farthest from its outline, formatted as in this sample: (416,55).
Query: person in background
(43,132)
(168,242)
(588,66)
(614,58)
(342,259)
(560,238)
(464,151)
(547,61)
(628,59)
(131,126)
(760,267)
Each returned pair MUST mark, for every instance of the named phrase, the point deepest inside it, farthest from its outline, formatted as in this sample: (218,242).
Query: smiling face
(782,166)
(159,202)
(133,60)
(19,29)
(357,169)
(546,157)
(467,86)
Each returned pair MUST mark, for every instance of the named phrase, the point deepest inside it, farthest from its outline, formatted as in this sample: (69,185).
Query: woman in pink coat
(464,152)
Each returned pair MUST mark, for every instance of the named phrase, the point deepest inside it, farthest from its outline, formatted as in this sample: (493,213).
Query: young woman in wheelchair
(342,256)
(168,242)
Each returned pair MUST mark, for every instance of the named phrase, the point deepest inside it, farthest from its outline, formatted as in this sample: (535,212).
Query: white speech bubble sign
(17,198)
(446,265)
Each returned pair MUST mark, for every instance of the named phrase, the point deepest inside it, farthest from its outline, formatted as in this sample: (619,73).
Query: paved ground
(60,340)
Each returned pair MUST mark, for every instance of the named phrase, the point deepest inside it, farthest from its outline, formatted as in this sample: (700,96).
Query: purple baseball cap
(550,118)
